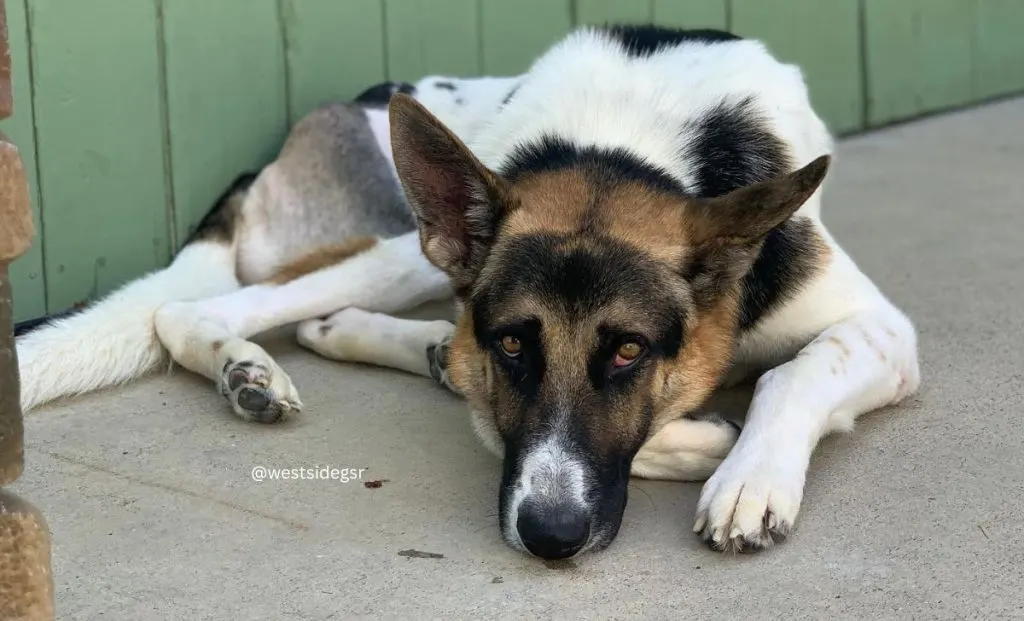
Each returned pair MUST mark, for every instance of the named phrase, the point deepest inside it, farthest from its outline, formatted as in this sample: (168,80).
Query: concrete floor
(917,515)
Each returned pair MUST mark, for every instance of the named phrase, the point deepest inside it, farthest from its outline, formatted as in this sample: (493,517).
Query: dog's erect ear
(745,216)
(726,231)
(457,201)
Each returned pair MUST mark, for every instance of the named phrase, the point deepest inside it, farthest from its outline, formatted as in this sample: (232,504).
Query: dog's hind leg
(113,340)
(209,336)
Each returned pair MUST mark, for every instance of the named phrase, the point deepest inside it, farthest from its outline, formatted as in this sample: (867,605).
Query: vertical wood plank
(432,37)
(515,33)
(6,104)
(600,12)
(920,56)
(999,46)
(691,13)
(26,273)
(97,116)
(823,38)
(945,52)
(334,50)
(226,96)
(891,32)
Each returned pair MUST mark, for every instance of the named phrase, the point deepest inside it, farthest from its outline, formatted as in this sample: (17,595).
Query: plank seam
(41,233)
(480,37)
(282,26)
(976,86)
(165,128)
(384,38)
(862,58)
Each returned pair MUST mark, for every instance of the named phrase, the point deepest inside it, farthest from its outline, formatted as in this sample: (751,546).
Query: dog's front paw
(751,502)
(257,389)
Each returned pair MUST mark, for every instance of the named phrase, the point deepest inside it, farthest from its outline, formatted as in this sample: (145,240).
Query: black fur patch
(606,166)
(448,86)
(379,95)
(219,223)
(645,40)
(788,259)
(731,148)
(511,94)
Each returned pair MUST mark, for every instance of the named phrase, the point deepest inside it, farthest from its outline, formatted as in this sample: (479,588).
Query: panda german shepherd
(632,223)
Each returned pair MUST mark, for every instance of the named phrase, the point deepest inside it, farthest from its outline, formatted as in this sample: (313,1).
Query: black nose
(553,532)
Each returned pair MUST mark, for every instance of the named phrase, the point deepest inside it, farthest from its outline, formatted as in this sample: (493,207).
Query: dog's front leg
(355,335)
(857,365)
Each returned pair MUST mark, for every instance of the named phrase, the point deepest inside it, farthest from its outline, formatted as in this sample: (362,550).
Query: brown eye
(511,346)
(627,353)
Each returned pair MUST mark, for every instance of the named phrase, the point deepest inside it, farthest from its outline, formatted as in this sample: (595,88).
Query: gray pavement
(917,515)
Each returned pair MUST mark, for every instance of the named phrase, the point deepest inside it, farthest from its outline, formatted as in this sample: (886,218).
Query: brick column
(26,582)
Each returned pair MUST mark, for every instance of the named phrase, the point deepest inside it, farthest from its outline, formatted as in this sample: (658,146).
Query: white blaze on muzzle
(549,501)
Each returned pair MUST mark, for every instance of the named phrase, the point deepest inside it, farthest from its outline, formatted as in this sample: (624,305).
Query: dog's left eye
(511,346)
(627,353)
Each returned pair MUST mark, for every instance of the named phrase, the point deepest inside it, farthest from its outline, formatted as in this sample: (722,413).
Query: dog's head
(598,303)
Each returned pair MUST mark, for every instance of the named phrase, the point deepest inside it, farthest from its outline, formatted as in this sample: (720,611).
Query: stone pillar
(26,583)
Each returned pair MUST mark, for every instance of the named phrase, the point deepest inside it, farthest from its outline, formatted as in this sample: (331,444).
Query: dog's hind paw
(259,390)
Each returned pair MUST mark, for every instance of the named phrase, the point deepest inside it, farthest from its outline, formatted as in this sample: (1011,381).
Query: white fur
(380,126)
(114,341)
(468,109)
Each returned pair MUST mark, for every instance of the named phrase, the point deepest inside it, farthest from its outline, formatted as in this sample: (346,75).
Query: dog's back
(334,179)
(713,111)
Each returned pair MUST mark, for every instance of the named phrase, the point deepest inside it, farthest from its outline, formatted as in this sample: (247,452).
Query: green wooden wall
(133,115)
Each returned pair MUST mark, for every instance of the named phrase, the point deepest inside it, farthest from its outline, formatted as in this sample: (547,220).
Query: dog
(625,227)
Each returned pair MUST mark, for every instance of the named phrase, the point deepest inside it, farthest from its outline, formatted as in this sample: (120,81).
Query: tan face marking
(567,201)
(686,382)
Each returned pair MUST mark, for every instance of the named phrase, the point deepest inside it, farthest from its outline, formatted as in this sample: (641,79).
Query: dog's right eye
(510,346)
